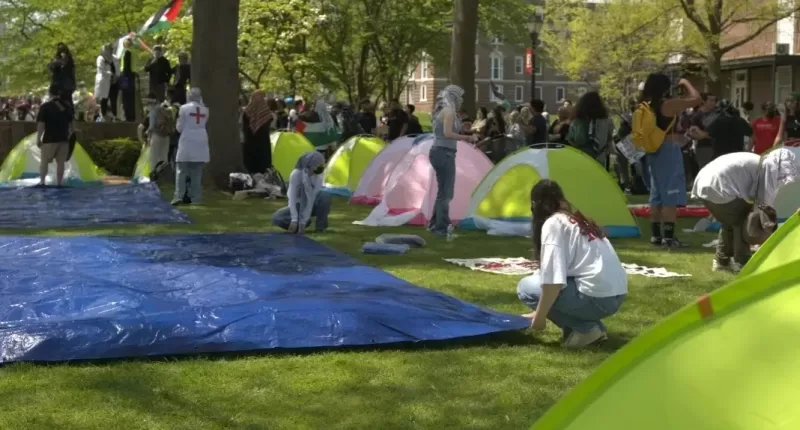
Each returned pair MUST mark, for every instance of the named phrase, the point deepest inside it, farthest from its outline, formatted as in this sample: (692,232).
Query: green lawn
(505,381)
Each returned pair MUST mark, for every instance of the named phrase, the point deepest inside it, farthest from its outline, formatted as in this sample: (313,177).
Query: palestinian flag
(163,18)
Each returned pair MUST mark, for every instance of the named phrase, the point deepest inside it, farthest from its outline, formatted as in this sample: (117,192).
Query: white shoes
(577,340)
(732,266)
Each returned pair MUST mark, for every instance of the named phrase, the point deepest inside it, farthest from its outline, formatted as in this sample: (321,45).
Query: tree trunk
(462,50)
(714,72)
(215,70)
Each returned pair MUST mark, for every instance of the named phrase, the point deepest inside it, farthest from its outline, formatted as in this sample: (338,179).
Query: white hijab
(306,165)
(195,95)
(321,108)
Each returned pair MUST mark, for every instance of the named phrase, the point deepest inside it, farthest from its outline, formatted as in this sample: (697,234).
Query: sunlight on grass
(505,381)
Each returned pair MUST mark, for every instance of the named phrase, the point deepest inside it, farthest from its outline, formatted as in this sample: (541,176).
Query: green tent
(344,170)
(141,173)
(21,166)
(726,362)
(287,147)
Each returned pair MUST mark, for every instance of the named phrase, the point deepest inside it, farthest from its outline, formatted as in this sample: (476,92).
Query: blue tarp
(51,207)
(96,297)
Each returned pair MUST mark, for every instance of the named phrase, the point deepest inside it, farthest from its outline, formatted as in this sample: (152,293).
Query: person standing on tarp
(52,134)
(160,72)
(127,81)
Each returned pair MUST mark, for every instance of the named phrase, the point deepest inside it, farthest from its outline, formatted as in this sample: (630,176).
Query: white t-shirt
(727,178)
(569,253)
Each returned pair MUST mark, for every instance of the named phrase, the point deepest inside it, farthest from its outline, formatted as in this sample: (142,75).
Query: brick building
(504,65)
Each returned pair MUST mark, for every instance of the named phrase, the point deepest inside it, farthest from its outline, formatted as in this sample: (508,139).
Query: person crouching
(579,280)
(193,152)
(739,190)
(305,199)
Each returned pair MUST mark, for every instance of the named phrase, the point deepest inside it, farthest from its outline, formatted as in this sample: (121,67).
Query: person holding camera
(62,69)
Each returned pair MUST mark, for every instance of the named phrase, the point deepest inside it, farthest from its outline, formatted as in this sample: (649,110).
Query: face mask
(319,170)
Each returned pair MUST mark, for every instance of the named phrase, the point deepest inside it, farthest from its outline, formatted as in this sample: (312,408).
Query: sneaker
(656,241)
(735,267)
(673,243)
(577,340)
(176,202)
(716,266)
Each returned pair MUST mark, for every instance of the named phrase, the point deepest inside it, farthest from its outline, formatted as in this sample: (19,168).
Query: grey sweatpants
(732,217)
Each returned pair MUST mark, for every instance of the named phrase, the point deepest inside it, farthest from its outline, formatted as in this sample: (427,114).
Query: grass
(500,382)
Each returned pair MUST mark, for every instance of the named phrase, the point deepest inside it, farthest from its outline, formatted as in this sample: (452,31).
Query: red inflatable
(643,211)
(792,143)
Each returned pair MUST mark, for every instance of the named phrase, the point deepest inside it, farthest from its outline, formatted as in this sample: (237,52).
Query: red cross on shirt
(197,115)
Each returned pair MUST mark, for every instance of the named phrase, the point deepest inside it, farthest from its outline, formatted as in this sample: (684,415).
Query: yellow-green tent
(347,165)
(287,147)
(21,166)
(503,198)
(728,361)
(141,174)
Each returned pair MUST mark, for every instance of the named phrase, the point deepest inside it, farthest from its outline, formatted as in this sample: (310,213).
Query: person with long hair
(306,200)
(767,131)
(667,175)
(579,279)
(256,120)
(62,69)
(591,130)
(193,152)
(446,127)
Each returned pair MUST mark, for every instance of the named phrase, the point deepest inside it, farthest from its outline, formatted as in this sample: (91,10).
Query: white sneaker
(735,267)
(716,266)
(578,340)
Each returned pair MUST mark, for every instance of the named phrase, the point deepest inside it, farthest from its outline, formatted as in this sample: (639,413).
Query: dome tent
(287,147)
(411,186)
(372,184)
(346,167)
(141,173)
(725,362)
(787,202)
(21,166)
(502,201)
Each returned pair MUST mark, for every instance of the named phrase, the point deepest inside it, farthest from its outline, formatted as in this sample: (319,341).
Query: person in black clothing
(348,123)
(791,118)
(728,130)
(62,68)
(397,120)
(127,82)
(282,118)
(160,72)
(701,119)
(414,127)
(367,118)
(183,78)
(538,126)
(256,121)
(52,134)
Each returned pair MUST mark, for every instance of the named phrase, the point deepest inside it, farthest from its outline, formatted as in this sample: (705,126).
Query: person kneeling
(580,280)
(305,199)
(739,190)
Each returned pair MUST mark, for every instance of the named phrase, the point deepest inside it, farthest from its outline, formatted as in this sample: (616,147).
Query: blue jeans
(194,172)
(443,161)
(322,207)
(572,310)
(667,177)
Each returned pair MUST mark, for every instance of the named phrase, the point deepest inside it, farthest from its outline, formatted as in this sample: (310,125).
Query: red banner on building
(529,61)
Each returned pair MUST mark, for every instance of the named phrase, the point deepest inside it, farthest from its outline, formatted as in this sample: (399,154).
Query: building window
(499,89)
(477,93)
(497,66)
(424,68)
(423,93)
(537,94)
(519,65)
(519,93)
(783,83)
(477,62)
(561,94)
(538,68)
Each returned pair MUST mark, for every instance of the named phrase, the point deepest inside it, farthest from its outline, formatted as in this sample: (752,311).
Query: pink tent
(410,185)
(373,181)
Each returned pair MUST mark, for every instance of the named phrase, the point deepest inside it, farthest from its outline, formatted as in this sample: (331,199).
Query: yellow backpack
(645,133)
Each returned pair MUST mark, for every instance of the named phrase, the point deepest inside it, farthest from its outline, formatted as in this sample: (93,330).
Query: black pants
(129,103)
(103,108)
(66,97)
(179,95)
(159,90)
(113,98)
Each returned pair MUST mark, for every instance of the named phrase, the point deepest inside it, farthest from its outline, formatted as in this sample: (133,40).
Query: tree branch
(691,12)
(758,31)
